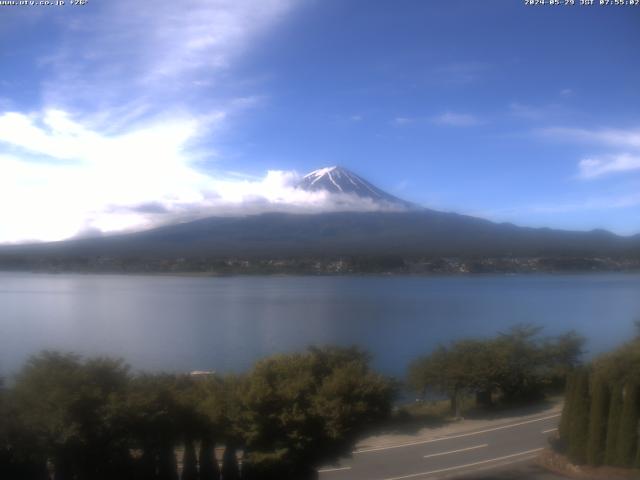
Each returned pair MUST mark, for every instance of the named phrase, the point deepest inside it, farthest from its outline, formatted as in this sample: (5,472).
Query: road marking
(456,451)
(423,442)
(550,430)
(458,467)
(337,469)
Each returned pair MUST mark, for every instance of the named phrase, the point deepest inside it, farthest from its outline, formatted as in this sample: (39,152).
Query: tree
(71,411)
(450,371)
(562,355)
(579,420)
(628,430)
(154,416)
(303,410)
(565,419)
(613,424)
(519,364)
(598,420)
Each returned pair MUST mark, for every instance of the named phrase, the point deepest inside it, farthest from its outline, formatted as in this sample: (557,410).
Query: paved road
(455,455)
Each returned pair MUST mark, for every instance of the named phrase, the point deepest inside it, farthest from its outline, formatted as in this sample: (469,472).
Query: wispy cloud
(597,167)
(620,138)
(134,60)
(626,142)
(454,119)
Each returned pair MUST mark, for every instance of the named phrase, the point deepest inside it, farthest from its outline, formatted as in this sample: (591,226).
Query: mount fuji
(393,227)
(339,180)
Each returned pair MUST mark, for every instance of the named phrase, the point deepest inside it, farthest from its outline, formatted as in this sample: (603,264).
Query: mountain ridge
(408,233)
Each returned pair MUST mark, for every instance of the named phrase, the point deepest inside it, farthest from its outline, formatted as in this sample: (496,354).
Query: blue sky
(122,115)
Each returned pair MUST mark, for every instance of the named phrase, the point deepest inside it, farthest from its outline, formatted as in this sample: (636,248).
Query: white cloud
(626,158)
(60,178)
(453,119)
(597,167)
(620,138)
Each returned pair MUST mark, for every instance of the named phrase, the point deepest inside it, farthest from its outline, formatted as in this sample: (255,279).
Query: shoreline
(311,274)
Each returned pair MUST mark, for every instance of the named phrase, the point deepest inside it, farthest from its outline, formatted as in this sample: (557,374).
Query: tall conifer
(579,420)
(613,425)
(628,430)
(598,420)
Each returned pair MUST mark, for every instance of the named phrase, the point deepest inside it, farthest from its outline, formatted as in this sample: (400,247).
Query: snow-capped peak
(342,181)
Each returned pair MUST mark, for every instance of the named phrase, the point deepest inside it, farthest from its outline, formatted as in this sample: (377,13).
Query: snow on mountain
(339,180)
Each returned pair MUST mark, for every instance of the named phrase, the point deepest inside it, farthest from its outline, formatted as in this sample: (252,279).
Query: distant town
(378,264)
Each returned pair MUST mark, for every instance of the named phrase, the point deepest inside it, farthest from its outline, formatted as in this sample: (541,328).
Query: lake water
(225,324)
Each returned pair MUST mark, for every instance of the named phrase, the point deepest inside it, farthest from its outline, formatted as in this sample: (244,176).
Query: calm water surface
(225,324)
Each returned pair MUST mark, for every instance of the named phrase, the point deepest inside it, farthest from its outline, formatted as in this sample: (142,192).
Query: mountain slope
(272,235)
(339,180)
(404,230)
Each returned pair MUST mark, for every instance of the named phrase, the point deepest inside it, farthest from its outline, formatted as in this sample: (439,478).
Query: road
(454,455)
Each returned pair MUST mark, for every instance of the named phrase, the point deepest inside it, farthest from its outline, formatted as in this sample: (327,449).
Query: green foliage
(613,424)
(71,409)
(309,408)
(579,419)
(519,364)
(623,364)
(565,419)
(608,432)
(628,430)
(598,420)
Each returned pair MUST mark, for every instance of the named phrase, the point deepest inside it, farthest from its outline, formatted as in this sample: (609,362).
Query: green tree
(569,396)
(613,424)
(71,410)
(154,416)
(304,410)
(598,420)
(579,421)
(562,355)
(521,363)
(628,430)
(446,371)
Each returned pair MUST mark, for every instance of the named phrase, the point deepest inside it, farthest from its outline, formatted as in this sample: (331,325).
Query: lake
(225,324)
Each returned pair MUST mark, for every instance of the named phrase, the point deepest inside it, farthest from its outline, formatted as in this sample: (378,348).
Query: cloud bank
(61,179)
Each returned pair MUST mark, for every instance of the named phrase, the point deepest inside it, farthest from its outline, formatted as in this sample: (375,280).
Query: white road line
(338,469)
(550,430)
(458,467)
(423,442)
(457,451)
